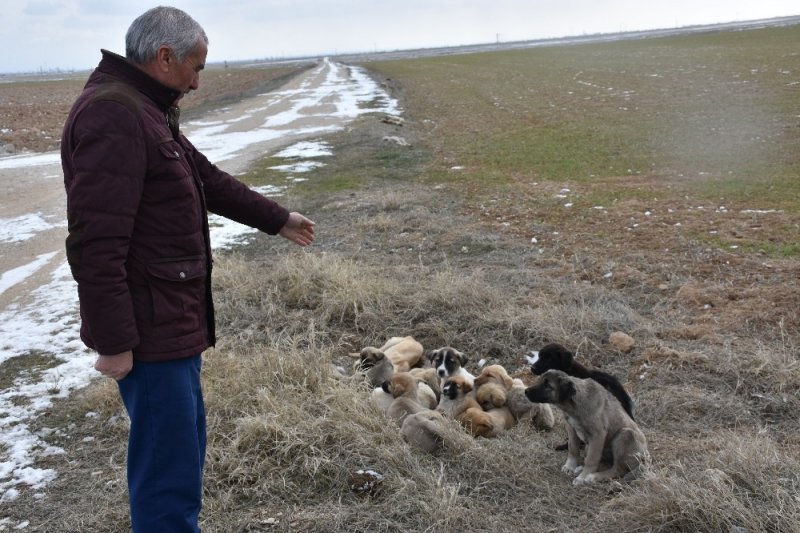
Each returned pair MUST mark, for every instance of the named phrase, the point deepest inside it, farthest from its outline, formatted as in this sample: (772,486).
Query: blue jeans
(166,445)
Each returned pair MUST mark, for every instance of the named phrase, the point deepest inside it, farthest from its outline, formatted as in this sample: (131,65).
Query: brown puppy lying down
(457,403)
(403,387)
(427,389)
(405,353)
(495,388)
(430,390)
(426,429)
(593,415)
(398,354)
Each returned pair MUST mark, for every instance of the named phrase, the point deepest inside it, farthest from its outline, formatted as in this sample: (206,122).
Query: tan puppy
(404,353)
(492,386)
(425,429)
(539,414)
(430,390)
(596,417)
(404,389)
(458,404)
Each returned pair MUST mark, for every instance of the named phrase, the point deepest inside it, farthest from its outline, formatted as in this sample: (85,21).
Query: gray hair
(162,26)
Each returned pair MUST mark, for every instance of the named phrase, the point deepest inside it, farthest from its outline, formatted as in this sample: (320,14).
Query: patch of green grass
(260,172)
(716,109)
(28,366)
(777,192)
(773,250)
(750,246)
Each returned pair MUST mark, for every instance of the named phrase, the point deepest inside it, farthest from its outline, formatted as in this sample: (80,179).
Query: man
(138,193)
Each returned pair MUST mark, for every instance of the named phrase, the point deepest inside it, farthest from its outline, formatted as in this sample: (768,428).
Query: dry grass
(288,433)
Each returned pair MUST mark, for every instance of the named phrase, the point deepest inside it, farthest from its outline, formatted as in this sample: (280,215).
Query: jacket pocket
(169,162)
(177,289)
(170,149)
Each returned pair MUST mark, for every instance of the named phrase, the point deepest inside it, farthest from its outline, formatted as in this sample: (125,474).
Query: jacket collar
(116,66)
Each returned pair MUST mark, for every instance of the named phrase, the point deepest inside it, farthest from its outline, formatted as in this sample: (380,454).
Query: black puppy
(556,357)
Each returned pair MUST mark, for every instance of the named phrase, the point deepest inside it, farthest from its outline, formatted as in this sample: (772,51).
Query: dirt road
(38,298)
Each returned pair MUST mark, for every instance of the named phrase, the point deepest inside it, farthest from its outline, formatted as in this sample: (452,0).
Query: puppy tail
(628,406)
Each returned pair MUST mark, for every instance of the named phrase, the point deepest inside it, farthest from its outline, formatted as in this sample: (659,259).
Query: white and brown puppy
(404,353)
(449,363)
(428,391)
(594,416)
(403,387)
(458,403)
(382,399)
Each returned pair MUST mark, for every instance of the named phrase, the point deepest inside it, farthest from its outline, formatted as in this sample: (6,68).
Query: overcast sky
(68,34)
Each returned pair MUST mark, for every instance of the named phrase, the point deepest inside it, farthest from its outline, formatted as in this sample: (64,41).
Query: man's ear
(164,58)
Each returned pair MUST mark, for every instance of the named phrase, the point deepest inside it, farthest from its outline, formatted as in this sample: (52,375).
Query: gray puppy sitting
(594,416)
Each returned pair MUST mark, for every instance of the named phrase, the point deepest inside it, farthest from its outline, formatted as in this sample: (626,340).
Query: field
(555,194)
(33,109)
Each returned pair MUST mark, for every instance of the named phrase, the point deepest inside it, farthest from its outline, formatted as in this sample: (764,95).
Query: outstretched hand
(298,229)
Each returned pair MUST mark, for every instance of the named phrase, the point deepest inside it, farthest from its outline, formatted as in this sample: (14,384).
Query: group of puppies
(421,390)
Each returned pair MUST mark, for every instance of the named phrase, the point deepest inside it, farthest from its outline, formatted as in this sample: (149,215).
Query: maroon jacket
(138,193)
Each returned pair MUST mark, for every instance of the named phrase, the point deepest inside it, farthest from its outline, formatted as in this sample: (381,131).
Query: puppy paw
(571,467)
(587,479)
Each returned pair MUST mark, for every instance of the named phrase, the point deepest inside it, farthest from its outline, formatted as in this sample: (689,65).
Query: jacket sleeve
(229,197)
(107,162)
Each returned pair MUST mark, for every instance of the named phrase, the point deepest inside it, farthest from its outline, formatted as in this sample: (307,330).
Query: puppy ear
(568,356)
(463,359)
(466,387)
(430,354)
(386,386)
(566,390)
